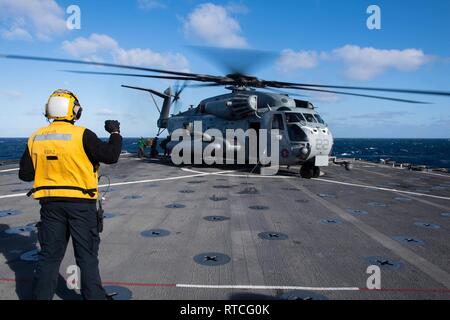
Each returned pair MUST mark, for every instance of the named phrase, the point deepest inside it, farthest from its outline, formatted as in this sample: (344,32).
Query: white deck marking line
(253,287)
(128,183)
(434,272)
(211,173)
(13,195)
(411,197)
(418,172)
(158,179)
(329,181)
(239,175)
(383,189)
(9,170)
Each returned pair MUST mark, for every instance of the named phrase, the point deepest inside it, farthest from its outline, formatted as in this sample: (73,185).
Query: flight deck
(201,232)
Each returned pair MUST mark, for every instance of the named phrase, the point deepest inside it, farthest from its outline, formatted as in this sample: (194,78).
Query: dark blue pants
(59,222)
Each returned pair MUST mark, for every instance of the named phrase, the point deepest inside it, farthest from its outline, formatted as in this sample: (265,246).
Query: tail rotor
(176,101)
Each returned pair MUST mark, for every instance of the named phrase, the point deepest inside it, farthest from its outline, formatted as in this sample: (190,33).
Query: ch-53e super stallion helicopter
(304,138)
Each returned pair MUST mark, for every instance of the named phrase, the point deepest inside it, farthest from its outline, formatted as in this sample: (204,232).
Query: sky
(315,41)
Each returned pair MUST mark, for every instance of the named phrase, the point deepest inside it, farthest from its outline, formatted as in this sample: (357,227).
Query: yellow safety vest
(62,168)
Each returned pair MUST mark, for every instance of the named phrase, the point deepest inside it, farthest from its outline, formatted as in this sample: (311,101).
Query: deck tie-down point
(357,212)
(186,191)
(9,213)
(214,198)
(331,221)
(249,190)
(212,259)
(216,218)
(155,233)
(427,225)
(409,240)
(175,206)
(301,295)
(132,197)
(384,263)
(272,236)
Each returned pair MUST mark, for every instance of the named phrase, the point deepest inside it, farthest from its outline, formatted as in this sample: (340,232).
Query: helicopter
(303,137)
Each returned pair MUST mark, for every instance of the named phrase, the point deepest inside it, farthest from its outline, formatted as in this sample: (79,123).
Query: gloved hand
(112,126)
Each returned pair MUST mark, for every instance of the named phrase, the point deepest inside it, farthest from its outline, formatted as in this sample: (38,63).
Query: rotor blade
(284,92)
(205,85)
(360,95)
(131,75)
(103,64)
(176,87)
(183,86)
(279,84)
(159,94)
(235,60)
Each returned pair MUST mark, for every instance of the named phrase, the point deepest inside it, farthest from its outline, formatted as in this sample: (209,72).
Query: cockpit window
(295,133)
(319,118)
(277,122)
(294,117)
(309,117)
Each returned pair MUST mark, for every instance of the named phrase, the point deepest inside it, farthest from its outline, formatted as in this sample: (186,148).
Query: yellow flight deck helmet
(63,105)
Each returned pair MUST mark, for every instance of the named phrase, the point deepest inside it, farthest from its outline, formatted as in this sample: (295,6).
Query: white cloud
(24,20)
(361,63)
(326,97)
(367,63)
(147,57)
(96,46)
(151,4)
(16,33)
(214,25)
(292,61)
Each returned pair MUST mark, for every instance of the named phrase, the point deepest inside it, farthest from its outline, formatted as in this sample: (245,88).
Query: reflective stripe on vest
(53,136)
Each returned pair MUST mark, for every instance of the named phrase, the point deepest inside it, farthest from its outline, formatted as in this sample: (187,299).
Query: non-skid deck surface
(320,234)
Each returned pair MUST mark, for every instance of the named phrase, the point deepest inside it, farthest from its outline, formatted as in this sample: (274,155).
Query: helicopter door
(255,126)
(278,123)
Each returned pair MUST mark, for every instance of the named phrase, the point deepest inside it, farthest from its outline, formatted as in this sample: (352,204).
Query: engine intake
(237,107)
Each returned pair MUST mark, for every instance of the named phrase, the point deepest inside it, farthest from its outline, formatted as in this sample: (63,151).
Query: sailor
(141,147)
(154,148)
(63,160)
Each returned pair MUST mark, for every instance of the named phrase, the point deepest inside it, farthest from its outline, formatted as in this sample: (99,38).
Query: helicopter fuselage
(302,134)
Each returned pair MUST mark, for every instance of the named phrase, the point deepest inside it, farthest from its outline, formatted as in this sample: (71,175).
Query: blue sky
(316,41)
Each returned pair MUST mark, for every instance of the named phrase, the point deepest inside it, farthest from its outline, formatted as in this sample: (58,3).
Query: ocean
(434,153)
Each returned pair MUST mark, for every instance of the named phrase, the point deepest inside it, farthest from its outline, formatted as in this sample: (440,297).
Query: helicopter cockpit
(297,117)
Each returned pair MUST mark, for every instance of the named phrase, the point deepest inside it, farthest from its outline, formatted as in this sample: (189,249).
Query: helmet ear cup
(78,112)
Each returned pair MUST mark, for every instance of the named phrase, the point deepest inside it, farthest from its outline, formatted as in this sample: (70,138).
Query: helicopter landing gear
(308,171)
(316,172)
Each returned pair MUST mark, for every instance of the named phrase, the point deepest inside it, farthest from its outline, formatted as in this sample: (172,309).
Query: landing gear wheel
(307,171)
(316,172)
(348,166)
